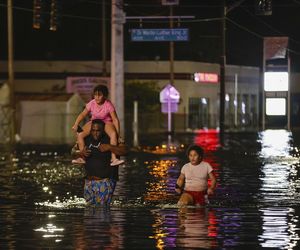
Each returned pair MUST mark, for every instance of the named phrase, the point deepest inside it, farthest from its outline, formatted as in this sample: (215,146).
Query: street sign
(165,108)
(170,2)
(169,94)
(169,98)
(159,35)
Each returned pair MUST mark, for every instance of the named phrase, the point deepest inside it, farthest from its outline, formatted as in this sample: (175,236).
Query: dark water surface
(256,205)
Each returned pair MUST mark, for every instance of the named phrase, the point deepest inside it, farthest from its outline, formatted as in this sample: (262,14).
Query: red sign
(206,77)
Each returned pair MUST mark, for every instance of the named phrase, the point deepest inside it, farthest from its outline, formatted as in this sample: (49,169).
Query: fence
(5,123)
(157,122)
(55,128)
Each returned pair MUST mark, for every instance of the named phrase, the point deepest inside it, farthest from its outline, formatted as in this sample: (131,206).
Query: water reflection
(229,226)
(101,229)
(279,181)
(280,228)
(51,231)
(197,228)
(275,143)
(255,207)
(162,184)
(185,228)
(279,186)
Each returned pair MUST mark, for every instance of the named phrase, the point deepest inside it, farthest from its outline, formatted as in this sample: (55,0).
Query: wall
(49,76)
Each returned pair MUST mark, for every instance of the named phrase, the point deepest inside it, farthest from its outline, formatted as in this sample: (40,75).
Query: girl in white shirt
(192,182)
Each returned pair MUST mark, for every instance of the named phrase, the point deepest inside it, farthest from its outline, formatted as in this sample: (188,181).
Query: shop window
(198,112)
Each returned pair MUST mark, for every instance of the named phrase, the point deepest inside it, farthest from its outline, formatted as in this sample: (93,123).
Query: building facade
(198,84)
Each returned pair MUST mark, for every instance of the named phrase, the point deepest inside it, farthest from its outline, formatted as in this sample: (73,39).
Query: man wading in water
(101,177)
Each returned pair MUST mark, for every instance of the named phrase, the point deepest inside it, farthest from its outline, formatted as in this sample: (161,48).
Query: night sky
(79,34)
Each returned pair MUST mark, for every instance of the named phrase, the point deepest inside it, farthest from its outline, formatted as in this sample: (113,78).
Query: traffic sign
(169,94)
(166,108)
(169,98)
(170,2)
(159,35)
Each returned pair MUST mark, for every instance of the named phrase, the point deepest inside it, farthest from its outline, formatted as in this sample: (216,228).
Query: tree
(147,94)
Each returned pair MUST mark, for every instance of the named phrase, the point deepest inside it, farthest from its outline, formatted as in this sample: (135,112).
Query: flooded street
(256,204)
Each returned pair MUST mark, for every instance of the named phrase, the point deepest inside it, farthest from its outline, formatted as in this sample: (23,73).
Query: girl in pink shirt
(192,182)
(99,108)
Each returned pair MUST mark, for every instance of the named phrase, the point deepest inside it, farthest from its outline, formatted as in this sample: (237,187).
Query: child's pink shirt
(102,111)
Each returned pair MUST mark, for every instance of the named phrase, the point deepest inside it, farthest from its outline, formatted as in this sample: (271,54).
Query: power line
(244,28)
(257,35)
(269,26)
(167,21)
(181,21)
(62,15)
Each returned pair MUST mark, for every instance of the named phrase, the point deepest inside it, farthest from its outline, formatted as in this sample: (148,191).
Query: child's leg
(111,131)
(86,130)
(185,199)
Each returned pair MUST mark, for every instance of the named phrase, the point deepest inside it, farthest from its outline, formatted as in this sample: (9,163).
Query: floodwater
(256,205)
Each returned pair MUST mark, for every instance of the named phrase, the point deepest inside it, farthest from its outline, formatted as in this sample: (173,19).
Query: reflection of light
(208,139)
(275,178)
(164,228)
(275,106)
(235,103)
(275,143)
(67,203)
(50,231)
(196,229)
(203,101)
(227,98)
(229,223)
(279,228)
(188,228)
(279,183)
(170,148)
(276,182)
(159,188)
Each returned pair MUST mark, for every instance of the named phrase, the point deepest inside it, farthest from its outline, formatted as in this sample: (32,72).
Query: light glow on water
(278,186)
(66,203)
(278,174)
(279,228)
(160,187)
(276,143)
(51,231)
(256,201)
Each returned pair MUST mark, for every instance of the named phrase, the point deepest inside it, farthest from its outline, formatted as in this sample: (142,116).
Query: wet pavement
(256,205)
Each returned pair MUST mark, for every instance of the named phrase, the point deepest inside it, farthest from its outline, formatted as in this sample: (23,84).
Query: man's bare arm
(121,149)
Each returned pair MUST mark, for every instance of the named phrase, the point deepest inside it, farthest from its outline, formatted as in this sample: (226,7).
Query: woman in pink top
(192,182)
(100,108)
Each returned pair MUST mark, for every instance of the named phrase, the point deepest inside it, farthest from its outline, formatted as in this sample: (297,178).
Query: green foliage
(147,94)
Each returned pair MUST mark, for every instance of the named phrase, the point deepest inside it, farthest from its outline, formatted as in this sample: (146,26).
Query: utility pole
(171,48)
(171,77)
(117,60)
(225,11)
(11,70)
(104,70)
(222,70)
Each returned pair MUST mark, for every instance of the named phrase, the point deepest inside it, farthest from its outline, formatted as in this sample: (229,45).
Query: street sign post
(169,98)
(159,35)
(170,2)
